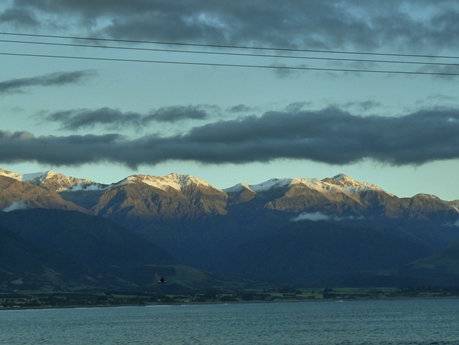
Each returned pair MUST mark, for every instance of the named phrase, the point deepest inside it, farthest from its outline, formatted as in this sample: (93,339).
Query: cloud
(240,108)
(177,113)
(443,72)
(455,224)
(413,25)
(315,217)
(17,205)
(329,135)
(53,79)
(363,106)
(70,150)
(319,216)
(19,17)
(76,119)
(281,70)
(114,118)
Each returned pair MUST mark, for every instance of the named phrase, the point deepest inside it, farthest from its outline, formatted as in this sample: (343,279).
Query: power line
(230,65)
(230,46)
(231,53)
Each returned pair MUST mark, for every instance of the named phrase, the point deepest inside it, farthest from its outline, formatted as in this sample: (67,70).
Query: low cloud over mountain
(319,216)
(16,205)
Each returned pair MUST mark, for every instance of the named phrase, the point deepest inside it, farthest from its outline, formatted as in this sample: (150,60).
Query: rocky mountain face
(15,194)
(53,181)
(145,198)
(344,197)
(208,228)
(176,196)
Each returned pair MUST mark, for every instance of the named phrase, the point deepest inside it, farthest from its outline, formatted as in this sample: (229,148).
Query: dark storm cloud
(53,79)
(177,113)
(414,25)
(114,118)
(364,106)
(444,72)
(70,150)
(330,136)
(240,108)
(19,17)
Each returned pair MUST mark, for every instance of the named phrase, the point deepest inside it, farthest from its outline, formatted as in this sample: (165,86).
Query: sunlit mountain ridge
(251,231)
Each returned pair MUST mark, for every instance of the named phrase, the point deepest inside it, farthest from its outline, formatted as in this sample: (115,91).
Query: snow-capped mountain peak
(59,182)
(236,188)
(261,187)
(11,174)
(338,184)
(173,180)
(343,178)
(350,185)
(184,180)
(38,176)
(272,183)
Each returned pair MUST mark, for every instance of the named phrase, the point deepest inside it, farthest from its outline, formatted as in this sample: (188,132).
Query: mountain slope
(201,225)
(308,253)
(25,266)
(442,268)
(142,198)
(11,174)
(71,251)
(93,241)
(344,196)
(176,196)
(15,194)
(54,181)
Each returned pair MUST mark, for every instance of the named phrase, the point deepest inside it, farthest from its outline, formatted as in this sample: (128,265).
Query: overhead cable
(230,65)
(231,53)
(229,46)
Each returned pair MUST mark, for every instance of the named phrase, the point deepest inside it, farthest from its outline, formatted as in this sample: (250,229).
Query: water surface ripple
(393,322)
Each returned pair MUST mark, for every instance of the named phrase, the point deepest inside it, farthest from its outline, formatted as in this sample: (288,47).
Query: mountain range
(298,231)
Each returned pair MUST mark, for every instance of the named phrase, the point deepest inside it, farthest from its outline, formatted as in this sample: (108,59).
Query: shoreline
(34,301)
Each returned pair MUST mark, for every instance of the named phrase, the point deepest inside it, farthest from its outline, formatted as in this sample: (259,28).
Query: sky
(233,91)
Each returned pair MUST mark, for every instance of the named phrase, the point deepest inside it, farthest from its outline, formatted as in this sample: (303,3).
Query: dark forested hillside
(311,253)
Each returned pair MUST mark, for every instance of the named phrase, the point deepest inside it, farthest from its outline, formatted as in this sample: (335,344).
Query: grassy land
(73,299)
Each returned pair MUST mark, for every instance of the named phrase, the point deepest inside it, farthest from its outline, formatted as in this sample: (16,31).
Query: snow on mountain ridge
(352,186)
(60,182)
(345,180)
(30,176)
(11,174)
(455,204)
(264,186)
(272,183)
(173,180)
(236,188)
(338,184)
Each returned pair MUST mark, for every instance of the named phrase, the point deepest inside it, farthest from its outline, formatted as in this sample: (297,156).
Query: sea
(397,322)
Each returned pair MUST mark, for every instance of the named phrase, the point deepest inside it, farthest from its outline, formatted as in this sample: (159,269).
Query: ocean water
(417,321)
